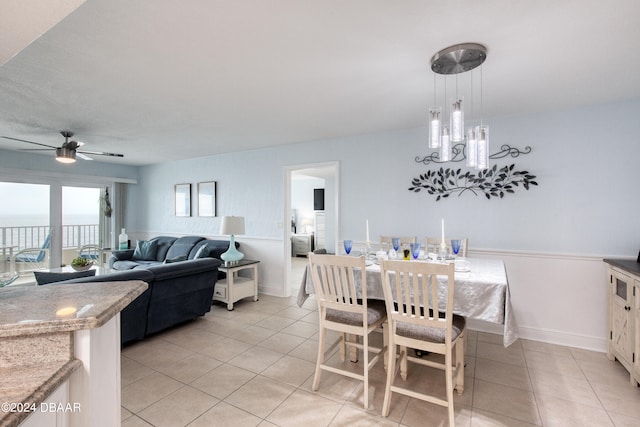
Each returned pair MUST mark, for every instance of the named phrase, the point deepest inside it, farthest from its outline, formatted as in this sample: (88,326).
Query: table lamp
(232,225)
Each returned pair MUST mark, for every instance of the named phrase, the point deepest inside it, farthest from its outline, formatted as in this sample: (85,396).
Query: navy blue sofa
(178,292)
(167,249)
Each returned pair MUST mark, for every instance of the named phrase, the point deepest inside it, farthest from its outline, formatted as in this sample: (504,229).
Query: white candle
(443,231)
(367,223)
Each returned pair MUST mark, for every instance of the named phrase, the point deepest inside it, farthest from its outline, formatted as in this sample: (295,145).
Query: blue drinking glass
(415,250)
(348,244)
(396,243)
(455,246)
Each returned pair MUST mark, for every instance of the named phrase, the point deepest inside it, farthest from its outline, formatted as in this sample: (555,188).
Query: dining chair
(335,281)
(31,259)
(407,240)
(420,316)
(432,245)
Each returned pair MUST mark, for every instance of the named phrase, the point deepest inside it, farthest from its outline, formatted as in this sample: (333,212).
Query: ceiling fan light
(65,155)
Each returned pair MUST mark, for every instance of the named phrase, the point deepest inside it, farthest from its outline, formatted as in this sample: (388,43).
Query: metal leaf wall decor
(492,182)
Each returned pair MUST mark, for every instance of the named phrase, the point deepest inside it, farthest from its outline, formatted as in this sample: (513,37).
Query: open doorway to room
(311,216)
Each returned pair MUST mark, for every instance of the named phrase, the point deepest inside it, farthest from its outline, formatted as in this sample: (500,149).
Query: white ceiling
(162,80)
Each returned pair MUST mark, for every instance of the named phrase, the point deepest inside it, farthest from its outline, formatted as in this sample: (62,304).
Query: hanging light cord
(481,109)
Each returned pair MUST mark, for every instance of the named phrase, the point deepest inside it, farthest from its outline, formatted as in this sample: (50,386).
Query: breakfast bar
(60,353)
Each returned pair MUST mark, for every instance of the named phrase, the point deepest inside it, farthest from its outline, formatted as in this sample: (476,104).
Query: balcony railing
(73,236)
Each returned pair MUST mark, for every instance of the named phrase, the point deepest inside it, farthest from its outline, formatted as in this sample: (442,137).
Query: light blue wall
(585,160)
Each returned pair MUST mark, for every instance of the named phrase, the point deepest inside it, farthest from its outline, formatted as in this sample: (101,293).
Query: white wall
(551,237)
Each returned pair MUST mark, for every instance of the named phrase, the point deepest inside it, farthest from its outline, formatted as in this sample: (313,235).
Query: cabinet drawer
(220,291)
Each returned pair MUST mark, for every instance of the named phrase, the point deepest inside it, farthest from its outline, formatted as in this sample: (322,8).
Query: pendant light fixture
(458,59)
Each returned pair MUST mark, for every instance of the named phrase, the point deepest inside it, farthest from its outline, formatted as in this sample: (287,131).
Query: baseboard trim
(547,336)
(275,291)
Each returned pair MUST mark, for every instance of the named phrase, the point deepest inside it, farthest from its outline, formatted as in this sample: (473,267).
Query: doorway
(310,222)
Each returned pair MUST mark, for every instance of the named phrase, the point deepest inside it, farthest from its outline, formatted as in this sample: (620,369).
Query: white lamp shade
(232,225)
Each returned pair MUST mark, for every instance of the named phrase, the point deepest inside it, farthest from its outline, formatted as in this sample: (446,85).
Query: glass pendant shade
(483,147)
(457,120)
(435,124)
(445,146)
(472,148)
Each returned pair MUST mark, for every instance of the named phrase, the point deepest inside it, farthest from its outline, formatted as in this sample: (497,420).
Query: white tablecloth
(482,293)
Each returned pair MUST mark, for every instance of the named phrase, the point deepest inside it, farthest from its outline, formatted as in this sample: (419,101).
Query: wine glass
(415,250)
(396,243)
(455,247)
(348,244)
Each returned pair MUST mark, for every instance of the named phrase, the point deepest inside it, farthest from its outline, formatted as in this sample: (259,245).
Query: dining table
(481,292)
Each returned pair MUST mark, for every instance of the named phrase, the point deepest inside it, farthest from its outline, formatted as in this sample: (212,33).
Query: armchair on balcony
(31,259)
(91,252)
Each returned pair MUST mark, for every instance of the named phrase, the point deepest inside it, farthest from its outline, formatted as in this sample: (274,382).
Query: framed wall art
(207,198)
(183,199)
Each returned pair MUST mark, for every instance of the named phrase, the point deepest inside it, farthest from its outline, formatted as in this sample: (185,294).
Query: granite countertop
(69,307)
(36,335)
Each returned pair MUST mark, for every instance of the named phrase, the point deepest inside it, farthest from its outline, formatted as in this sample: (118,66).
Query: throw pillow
(146,250)
(45,277)
(202,252)
(175,259)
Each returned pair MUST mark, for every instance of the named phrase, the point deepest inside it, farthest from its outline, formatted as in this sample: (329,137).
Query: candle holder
(444,251)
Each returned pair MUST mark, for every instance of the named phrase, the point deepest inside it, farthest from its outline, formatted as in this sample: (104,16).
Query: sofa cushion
(176,259)
(125,255)
(46,277)
(146,250)
(202,252)
(125,265)
(164,244)
(182,246)
(215,247)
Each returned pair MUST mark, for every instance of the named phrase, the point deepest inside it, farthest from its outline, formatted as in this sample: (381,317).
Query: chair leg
(353,350)
(403,362)
(460,364)
(385,341)
(320,359)
(343,346)
(449,382)
(365,356)
(391,369)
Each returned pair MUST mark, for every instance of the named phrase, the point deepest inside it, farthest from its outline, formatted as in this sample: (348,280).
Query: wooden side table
(236,287)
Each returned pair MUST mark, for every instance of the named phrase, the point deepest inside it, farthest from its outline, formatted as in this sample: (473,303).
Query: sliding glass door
(80,220)
(25,228)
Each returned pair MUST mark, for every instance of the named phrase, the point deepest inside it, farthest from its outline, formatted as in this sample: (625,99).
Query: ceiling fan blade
(83,156)
(29,142)
(36,149)
(100,153)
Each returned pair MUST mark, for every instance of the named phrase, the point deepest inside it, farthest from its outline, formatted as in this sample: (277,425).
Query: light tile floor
(254,367)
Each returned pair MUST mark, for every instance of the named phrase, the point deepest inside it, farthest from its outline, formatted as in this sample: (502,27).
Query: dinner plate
(463,269)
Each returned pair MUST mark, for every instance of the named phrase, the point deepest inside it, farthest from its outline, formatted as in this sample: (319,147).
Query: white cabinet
(624,319)
(320,231)
(54,411)
(301,244)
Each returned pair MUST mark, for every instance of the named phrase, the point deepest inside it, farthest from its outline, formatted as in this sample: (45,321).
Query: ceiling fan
(68,151)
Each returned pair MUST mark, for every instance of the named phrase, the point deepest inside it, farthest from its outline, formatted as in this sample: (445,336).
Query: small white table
(236,287)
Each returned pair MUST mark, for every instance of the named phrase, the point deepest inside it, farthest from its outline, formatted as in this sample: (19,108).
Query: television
(318,199)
